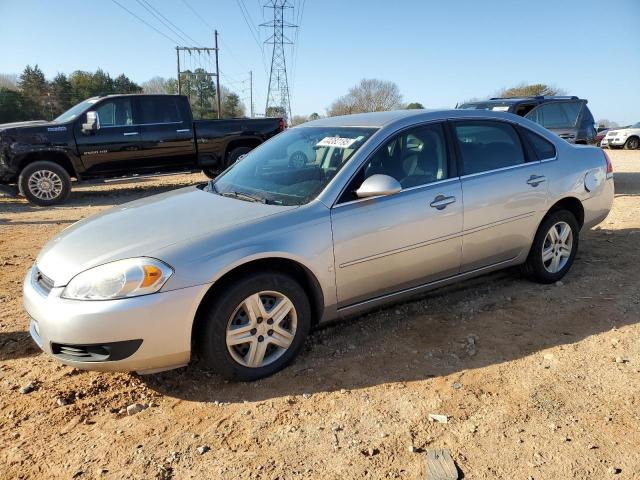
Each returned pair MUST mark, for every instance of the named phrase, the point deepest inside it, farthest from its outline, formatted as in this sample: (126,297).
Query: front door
(388,244)
(504,191)
(116,144)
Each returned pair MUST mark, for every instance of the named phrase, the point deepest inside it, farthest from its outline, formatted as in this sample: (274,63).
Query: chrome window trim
(141,124)
(410,189)
(502,169)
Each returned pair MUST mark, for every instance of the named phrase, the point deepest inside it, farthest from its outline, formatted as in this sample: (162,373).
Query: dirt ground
(538,382)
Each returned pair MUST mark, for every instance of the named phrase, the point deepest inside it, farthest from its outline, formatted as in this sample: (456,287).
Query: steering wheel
(298,159)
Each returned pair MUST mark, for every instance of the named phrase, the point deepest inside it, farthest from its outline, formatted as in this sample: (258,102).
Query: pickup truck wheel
(554,248)
(632,143)
(235,154)
(44,183)
(254,327)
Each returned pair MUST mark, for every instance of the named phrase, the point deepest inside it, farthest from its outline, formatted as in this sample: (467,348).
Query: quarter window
(159,109)
(115,113)
(487,146)
(415,157)
(544,149)
(556,115)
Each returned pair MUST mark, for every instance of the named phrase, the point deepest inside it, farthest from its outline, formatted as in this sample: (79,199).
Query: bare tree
(606,123)
(9,81)
(298,119)
(529,90)
(370,95)
(159,85)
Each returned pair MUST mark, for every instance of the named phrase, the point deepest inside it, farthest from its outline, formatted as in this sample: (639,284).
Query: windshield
(635,125)
(293,167)
(75,111)
(495,106)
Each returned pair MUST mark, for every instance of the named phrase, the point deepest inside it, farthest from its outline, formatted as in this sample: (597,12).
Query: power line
(171,23)
(172,40)
(184,40)
(198,15)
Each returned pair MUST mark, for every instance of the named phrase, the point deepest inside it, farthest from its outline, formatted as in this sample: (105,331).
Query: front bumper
(151,332)
(613,142)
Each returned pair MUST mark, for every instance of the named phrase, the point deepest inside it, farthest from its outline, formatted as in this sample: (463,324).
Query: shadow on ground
(14,345)
(507,317)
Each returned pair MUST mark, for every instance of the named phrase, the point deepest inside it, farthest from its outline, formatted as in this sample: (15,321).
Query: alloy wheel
(45,184)
(557,247)
(261,329)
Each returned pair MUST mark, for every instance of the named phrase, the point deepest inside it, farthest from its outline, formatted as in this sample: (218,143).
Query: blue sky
(438,52)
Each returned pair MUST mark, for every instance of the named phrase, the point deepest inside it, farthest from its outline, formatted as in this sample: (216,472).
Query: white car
(628,137)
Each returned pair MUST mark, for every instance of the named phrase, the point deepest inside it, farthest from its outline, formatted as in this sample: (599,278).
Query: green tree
(231,106)
(414,106)
(35,89)
(529,90)
(201,90)
(12,106)
(314,116)
(61,94)
(122,84)
(275,112)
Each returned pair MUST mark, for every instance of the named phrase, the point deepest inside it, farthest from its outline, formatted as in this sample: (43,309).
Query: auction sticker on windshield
(338,142)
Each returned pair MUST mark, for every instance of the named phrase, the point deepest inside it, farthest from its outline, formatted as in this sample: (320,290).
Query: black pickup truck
(121,136)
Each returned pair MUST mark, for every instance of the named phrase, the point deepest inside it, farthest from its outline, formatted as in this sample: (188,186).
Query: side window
(159,109)
(556,115)
(415,157)
(543,148)
(487,145)
(115,113)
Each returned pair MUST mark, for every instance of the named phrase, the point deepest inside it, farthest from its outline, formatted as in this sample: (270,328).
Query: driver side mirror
(92,124)
(378,185)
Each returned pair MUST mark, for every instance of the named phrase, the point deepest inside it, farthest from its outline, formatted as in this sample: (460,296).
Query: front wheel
(255,327)
(44,183)
(554,248)
(632,143)
(236,154)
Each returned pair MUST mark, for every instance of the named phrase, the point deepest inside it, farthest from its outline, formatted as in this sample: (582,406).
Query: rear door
(166,130)
(115,146)
(504,192)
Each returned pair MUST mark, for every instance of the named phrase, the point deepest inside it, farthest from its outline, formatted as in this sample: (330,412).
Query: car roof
(538,99)
(390,118)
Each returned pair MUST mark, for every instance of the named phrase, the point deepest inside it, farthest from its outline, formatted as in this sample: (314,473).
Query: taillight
(609,165)
(282,124)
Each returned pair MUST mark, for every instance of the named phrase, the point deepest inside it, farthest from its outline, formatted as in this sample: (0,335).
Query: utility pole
(278,93)
(251,91)
(217,76)
(178,62)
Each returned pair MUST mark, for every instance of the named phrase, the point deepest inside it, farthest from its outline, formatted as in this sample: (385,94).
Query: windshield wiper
(244,196)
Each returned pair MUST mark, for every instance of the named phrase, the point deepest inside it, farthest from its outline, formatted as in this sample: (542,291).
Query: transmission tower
(278,93)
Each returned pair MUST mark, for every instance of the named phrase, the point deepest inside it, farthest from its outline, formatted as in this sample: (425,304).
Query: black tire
(51,174)
(235,154)
(632,143)
(534,268)
(211,173)
(211,332)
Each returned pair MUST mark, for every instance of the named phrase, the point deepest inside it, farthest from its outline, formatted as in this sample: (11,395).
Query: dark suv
(568,117)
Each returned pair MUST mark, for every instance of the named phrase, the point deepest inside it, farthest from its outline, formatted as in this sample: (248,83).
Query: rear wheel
(554,248)
(235,154)
(255,327)
(632,143)
(210,173)
(44,183)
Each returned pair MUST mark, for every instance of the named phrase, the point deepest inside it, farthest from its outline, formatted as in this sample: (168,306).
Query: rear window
(543,148)
(159,109)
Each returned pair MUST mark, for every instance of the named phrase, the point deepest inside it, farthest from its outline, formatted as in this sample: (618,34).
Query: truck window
(159,109)
(556,115)
(115,113)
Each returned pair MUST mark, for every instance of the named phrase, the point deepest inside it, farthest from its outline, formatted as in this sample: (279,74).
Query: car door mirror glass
(378,185)
(92,124)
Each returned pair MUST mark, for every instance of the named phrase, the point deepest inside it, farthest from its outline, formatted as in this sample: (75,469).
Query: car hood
(142,227)
(31,123)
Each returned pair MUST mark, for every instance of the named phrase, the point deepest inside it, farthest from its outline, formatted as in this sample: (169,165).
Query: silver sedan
(387,205)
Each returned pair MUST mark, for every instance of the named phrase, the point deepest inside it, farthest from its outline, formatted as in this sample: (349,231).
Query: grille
(42,281)
(96,352)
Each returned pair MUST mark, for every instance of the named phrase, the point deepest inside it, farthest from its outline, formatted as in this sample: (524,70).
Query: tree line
(30,96)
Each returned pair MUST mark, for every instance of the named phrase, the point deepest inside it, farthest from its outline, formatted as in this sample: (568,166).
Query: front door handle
(441,202)
(128,134)
(535,180)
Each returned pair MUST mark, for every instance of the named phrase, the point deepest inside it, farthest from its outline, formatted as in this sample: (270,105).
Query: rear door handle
(535,180)
(128,134)
(441,202)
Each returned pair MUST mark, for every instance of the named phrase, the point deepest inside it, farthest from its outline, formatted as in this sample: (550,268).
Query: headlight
(121,279)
